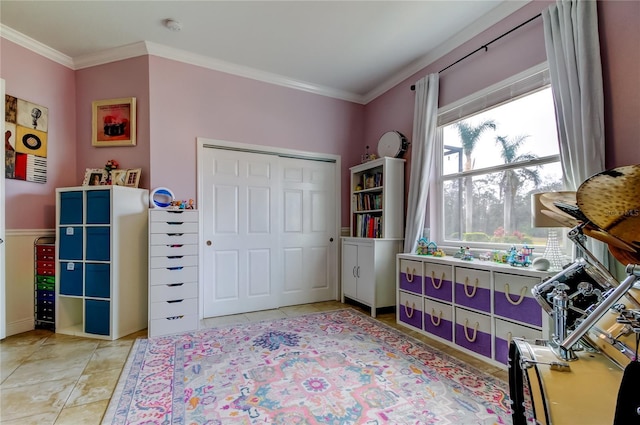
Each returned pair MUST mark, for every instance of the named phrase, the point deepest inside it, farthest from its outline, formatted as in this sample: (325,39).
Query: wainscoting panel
(19,302)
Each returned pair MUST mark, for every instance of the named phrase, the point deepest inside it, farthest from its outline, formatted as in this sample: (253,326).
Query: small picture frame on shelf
(132,178)
(119,177)
(94,177)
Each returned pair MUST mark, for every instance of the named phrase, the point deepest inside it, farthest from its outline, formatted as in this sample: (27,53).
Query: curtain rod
(486,46)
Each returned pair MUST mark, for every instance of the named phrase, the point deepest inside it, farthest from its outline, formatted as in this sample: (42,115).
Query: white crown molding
(247,72)
(35,46)
(481,24)
(111,55)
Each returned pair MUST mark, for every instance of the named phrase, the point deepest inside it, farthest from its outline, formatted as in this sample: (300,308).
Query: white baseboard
(20,326)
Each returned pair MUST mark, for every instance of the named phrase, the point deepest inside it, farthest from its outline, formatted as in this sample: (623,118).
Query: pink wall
(36,79)
(189,102)
(126,78)
(620,52)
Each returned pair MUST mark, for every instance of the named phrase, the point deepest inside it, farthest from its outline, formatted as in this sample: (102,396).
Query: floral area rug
(338,367)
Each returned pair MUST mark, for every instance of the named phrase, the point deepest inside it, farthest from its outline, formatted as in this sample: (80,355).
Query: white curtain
(573,52)
(425,117)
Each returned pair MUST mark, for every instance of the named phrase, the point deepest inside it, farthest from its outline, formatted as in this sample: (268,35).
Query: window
(496,149)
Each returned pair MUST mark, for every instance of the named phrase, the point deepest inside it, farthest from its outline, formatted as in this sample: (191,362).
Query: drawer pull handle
(175,256)
(174,301)
(475,331)
(434,280)
(473,291)
(433,314)
(516,302)
(509,338)
(175,212)
(406,309)
(410,276)
(175,223)
(175,317)
(175,268)
(175,284)
(175,234)
(175,246)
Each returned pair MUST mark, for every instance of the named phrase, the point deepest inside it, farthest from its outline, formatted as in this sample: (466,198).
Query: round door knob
(331,240)
(208,243)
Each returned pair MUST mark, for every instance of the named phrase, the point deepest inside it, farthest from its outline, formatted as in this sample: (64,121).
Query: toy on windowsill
(500,256)
(464,253)
(485,257)
(521,257)
(428,248)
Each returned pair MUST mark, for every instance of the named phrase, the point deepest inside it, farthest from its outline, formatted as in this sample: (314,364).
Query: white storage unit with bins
(475,306)
(101,258)
(173,271)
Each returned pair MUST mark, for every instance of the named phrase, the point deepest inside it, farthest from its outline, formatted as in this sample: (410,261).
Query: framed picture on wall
(94,177)
(132,178)
(114,122)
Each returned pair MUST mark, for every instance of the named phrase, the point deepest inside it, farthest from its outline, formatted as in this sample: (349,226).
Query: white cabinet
(475,306)
(173,271)
(368,267)
(101,261)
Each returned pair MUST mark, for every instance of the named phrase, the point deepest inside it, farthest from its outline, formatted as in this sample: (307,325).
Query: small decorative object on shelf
(366,157)
(485,257)
(111,165)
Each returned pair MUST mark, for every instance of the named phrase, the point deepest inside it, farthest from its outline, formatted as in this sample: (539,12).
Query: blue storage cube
(70,208)
(96,313)
(98,206)
(97,280)
(71,278)
(70,243)
(98,243)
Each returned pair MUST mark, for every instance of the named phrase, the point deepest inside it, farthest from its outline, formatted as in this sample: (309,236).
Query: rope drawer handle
(506,294)
(410,276)
(509,338)
(434,280)
(406,309)
(475,287)
(475,331)
(436,323)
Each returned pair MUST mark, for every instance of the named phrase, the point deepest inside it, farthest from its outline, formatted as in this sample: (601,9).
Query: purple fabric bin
(443,292)
(415,286)
(443,329)
(481,344)
(502,350)
(481,300)
(527,311)
(416,318)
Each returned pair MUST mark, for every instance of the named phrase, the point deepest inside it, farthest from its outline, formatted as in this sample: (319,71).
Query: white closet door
(3,322)
(269,230)
(308,241)
(240,230)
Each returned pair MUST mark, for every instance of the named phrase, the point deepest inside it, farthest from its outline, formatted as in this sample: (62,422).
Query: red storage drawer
(46,272)
(46,250)
(46,264)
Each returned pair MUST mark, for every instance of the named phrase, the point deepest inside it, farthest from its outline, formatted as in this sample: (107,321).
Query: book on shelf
(368,226)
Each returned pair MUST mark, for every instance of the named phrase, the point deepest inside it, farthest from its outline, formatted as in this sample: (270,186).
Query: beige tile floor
(49,378)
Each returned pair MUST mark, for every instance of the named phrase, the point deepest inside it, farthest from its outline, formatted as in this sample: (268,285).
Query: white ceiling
(354,50)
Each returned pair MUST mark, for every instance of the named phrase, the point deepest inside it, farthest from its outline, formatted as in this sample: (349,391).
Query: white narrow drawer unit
(173,250)
(184,216)
(174,227)
(172,325)
(172,308)
(173,291)
(172,238)
(165,275)
(171,262)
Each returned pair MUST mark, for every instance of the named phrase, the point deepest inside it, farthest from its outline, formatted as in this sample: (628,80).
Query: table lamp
(552,252)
